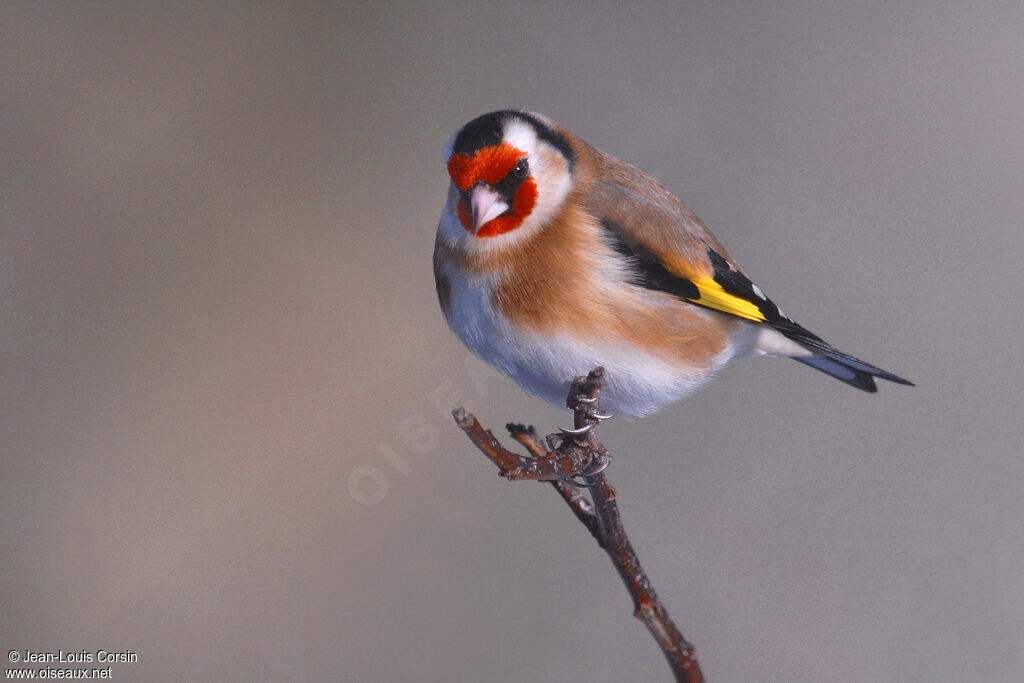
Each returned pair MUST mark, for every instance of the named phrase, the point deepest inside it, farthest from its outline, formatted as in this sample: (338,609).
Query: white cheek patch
(551,173)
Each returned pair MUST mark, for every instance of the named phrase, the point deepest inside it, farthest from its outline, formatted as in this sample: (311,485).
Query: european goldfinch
(553,257)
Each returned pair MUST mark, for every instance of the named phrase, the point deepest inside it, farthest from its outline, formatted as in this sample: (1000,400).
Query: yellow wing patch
(713,296)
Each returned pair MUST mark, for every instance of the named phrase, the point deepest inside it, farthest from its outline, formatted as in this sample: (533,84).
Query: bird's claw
(579,431)
(583,478)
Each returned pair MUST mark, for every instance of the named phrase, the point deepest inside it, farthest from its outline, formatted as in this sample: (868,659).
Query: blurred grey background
(225,381)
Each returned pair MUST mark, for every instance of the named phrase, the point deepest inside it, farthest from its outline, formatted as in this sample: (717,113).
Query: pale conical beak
(486,205)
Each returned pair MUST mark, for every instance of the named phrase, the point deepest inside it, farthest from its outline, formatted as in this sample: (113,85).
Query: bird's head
(510,174)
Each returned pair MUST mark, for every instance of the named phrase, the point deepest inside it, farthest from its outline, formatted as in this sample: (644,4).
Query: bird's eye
(521,169)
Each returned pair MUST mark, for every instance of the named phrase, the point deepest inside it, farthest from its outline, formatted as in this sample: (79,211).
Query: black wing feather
(652,274)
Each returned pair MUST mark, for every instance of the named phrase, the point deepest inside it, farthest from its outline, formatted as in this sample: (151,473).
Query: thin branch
(511,466)
(572,461)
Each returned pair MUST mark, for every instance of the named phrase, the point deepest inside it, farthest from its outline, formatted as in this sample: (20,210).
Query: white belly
(638,383)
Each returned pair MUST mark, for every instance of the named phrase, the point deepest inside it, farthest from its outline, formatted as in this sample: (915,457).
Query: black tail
(832,361)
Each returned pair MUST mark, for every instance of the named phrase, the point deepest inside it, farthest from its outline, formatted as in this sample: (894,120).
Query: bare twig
(514,467)
(574,460)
